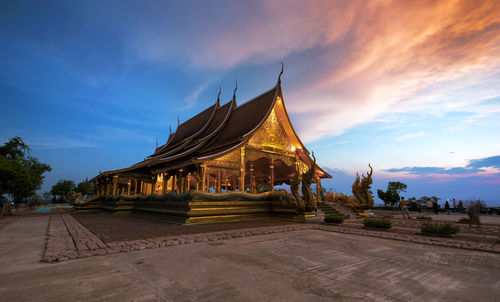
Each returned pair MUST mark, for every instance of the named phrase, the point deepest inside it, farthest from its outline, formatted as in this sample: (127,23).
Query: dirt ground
(111,228)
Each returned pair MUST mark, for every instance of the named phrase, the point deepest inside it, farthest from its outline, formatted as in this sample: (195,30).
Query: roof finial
(178,120)
(157,143)
(235,88)
(218,96)
(170,129)
(281,72)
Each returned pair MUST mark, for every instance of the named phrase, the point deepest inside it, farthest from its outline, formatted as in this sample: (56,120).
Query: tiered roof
(213,132)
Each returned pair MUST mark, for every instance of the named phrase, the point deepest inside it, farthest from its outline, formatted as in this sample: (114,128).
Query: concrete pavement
(292,266)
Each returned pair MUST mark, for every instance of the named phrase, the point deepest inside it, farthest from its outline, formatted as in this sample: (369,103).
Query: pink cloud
(364,58)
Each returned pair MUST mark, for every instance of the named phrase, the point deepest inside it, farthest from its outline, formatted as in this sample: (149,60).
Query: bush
(334,219)
(424,218)
(464,220)
(377,223)
(439,228)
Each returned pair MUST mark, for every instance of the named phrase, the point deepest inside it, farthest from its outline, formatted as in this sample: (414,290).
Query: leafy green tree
(391,196)
(86,188)
(62,188)
(21,175)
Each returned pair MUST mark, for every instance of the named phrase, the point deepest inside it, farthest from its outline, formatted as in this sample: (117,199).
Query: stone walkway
(68,239)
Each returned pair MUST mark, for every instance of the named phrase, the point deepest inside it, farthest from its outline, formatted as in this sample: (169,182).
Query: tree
(46,196)
(62,188)
(86,188)
(21,175)
(391,196)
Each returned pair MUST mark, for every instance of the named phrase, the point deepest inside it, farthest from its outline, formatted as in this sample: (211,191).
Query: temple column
(135,186)
(219,182)
(174,183)
(115,183)
(318,189)
(165,182)
(153,184)
(203,178)
(272,175)
(188,182)
(129,186)
(182,181)
(242,170)
(141,187)
(108,188)
(252,181)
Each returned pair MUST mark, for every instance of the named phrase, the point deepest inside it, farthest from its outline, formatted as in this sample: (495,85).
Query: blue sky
(410,87)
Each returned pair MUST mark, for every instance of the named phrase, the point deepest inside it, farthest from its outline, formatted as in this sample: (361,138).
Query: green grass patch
(379,223)
(334,219)
(439,228)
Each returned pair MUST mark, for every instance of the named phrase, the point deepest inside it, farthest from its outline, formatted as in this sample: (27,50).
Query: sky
(412,87)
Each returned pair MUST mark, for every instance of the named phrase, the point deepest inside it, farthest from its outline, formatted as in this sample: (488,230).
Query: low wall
(198,207)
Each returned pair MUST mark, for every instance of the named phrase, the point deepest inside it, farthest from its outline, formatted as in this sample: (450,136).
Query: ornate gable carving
(271,135)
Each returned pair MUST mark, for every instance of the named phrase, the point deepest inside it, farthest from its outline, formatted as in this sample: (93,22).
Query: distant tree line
(21,175)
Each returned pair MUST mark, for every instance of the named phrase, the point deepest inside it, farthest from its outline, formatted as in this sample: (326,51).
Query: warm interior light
(293,148)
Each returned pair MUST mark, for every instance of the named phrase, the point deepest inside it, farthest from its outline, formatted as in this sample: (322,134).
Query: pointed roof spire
(156,143)
(170,129)
(178,120)
(218,96)
(235,88)
(281,72)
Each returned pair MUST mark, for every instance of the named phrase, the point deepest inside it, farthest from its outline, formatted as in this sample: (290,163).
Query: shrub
(439,228)
(464,220)
(424,218)
(377,223)
(334,219)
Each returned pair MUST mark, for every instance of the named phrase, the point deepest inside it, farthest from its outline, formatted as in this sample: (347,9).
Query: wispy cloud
(409,135)
(191,99)
(485,170)
(365,58)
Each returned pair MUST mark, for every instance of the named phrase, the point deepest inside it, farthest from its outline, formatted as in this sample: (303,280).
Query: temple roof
(214,132)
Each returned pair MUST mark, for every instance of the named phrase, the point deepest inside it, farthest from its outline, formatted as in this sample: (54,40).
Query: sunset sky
(412,87)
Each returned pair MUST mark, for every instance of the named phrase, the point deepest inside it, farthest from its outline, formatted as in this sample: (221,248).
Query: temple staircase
(325,209)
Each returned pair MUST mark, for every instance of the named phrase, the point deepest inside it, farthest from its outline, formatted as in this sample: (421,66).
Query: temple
(251,148)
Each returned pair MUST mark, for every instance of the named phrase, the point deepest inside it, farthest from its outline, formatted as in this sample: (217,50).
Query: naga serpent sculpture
(361,188)
(308,196)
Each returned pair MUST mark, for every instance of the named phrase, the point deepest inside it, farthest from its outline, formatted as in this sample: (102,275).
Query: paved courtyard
(281,265)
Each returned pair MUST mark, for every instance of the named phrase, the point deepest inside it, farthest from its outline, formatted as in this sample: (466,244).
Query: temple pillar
(135,186)
(115,184)
(165,182)
(318,189)
(242,170)
(252,181)
(108,188)
(141,187)
(182,181)
(203,178)
(129,186)
(174,183)
(153,184)
(272,175)
(219,181)
(188,182)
